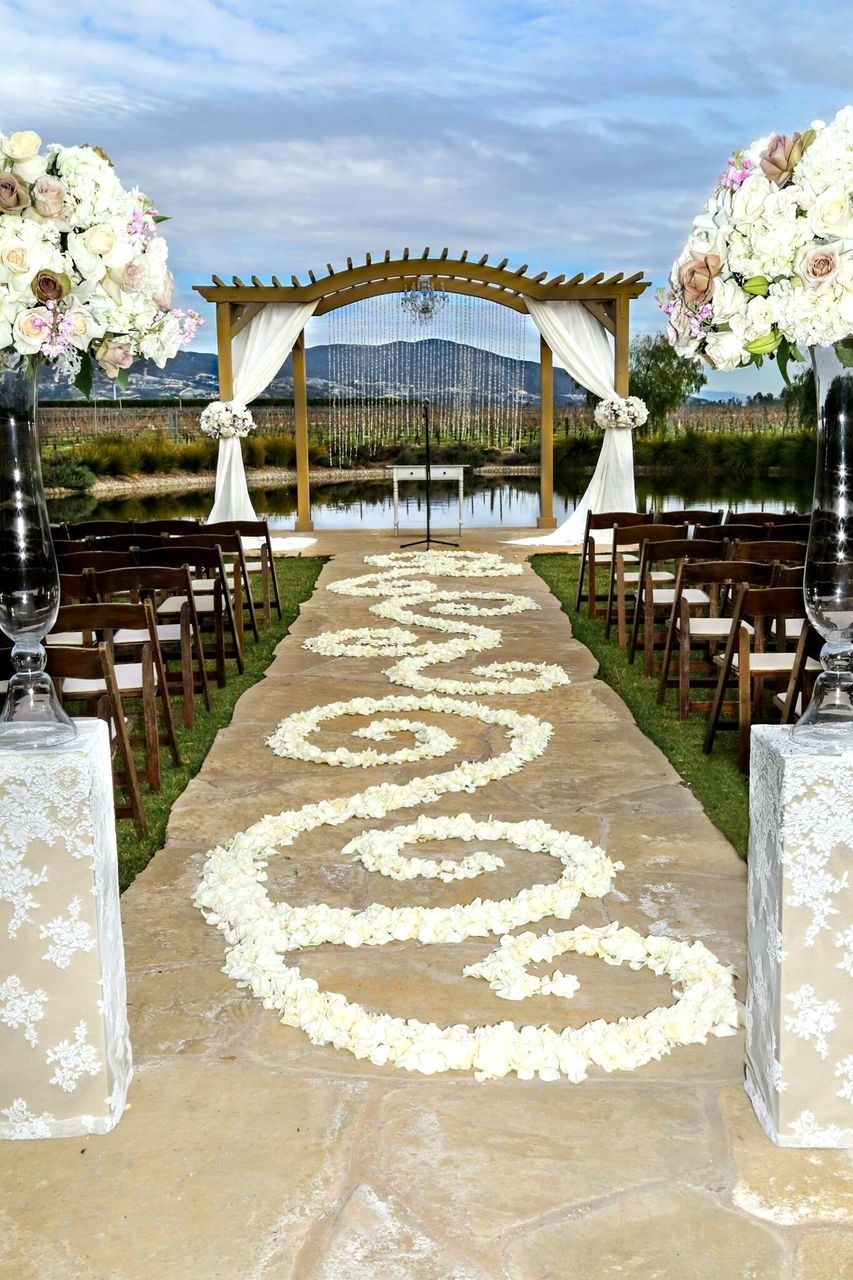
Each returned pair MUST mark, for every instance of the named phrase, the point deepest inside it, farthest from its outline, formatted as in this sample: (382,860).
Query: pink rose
(697,277)
(817,264)
(48,197)
(781,156)
(130,277)
(112,356)
(13,194)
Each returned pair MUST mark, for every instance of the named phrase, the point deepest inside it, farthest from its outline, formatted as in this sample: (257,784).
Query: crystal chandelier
(422,300)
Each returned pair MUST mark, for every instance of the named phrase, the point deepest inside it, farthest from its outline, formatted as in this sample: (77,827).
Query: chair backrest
(666,550)
(174,553)
(760,517)
(694,516)
(79,662)
(91,558)
(139,580)
(770,549)
(637,534)
(73,587)
(721,533)
(763,605)
(726,572)
(126,541)
(788,531)
(186,524)
(97,528)
(248,528)
(610,519)
(788,575)
(230,543)
(103,617)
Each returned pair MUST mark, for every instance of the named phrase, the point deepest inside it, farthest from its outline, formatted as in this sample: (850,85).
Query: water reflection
(509,502)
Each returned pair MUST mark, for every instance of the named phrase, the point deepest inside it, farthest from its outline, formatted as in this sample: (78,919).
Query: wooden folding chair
(173,527)
(762,517)
(728,533)
(141,680)
(94,666)
(634,538)
(653,602)
(807,666)
(256,530)
(705,631)
(604,521)
(690,515)
(215,606)
(96,528)
(748,663)
(179,640)
(789,531)
(231,548)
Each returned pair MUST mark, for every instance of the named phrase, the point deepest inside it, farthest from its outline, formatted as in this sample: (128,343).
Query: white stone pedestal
(65,1062)
(799,1009)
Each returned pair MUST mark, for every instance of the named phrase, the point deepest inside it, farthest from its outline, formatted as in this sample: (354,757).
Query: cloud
(572,136)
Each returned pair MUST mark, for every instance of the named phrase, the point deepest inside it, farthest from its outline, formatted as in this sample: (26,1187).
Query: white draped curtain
(581,344)
(257,353)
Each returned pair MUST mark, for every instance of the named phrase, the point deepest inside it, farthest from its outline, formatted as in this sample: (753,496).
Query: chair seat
(773,663)
(254,566)
(166,631)
(713,628)
(174,604)
(657,575)
(666,595)
(72,639)
(128,678)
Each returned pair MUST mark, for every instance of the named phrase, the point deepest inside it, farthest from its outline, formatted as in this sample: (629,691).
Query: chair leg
(266,570)
(187,677)
(717,703)
(666,661)
(149,721)
(275,587)
(685,651)
(581,575)
(621,619)
(744,703)
(130,776)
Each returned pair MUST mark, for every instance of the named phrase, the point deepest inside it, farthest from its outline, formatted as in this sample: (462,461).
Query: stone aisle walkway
(249,1154)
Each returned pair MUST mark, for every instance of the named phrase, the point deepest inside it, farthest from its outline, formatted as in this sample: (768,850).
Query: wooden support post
(223,350)
(304,523)
(546,438)
(621,344)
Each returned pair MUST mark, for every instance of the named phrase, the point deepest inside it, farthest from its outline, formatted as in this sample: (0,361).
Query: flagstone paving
(249,1154)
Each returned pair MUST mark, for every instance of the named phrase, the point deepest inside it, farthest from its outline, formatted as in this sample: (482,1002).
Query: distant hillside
(429,367)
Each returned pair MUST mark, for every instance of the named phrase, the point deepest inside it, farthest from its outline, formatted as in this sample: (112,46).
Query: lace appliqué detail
(73,1060)
(21,1008)
(67,936)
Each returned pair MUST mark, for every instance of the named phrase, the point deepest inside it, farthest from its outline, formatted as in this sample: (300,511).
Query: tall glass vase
(828,581)
(32,716)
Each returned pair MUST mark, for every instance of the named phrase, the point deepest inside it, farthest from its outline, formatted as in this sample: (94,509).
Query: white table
(419,473)
(799,1010)
(65,1062)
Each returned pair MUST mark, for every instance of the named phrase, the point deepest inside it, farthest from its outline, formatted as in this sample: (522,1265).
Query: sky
(281,136)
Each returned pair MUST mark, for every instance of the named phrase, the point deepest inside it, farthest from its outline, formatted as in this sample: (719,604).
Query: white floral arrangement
(262,933)
(621,413)
(768,267)
(83,275)
(226,420)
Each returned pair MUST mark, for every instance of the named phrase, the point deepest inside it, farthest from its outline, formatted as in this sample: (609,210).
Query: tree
(800,399)
(661,377)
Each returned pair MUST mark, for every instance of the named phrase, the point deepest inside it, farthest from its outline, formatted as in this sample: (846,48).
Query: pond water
(507,501)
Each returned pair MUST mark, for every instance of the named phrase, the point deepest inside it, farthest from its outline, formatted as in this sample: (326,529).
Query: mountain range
(433,367)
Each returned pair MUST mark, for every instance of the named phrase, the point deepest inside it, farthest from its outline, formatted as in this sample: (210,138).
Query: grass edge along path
(297,577)
(715,780)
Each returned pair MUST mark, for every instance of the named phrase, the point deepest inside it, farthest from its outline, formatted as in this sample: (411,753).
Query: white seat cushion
(165,631)
(666,595)
(254,566)
(771,663)
(713,628)
(70,639)
(657,575)
(203,604)
(128,678)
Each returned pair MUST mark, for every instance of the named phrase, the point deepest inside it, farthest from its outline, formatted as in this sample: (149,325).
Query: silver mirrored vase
(32,716)
(828,580)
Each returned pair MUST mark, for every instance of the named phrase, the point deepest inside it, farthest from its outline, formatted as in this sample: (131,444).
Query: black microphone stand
(429,540)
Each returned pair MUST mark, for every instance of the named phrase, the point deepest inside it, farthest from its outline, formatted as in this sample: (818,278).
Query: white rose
(29,329)
(830,215)
(99,240)
(748,202)
(728,300)
(760,317)
(21,145)
(724,350)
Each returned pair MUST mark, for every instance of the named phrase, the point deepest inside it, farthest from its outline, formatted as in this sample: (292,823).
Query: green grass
(715,780)
(296,579)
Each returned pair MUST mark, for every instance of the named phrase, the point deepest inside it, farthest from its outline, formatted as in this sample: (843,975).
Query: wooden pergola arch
(607,299)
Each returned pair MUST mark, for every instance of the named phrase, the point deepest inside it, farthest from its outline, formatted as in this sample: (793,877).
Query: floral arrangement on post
(226,420)
(768,267)
(83,275)
(621,413)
